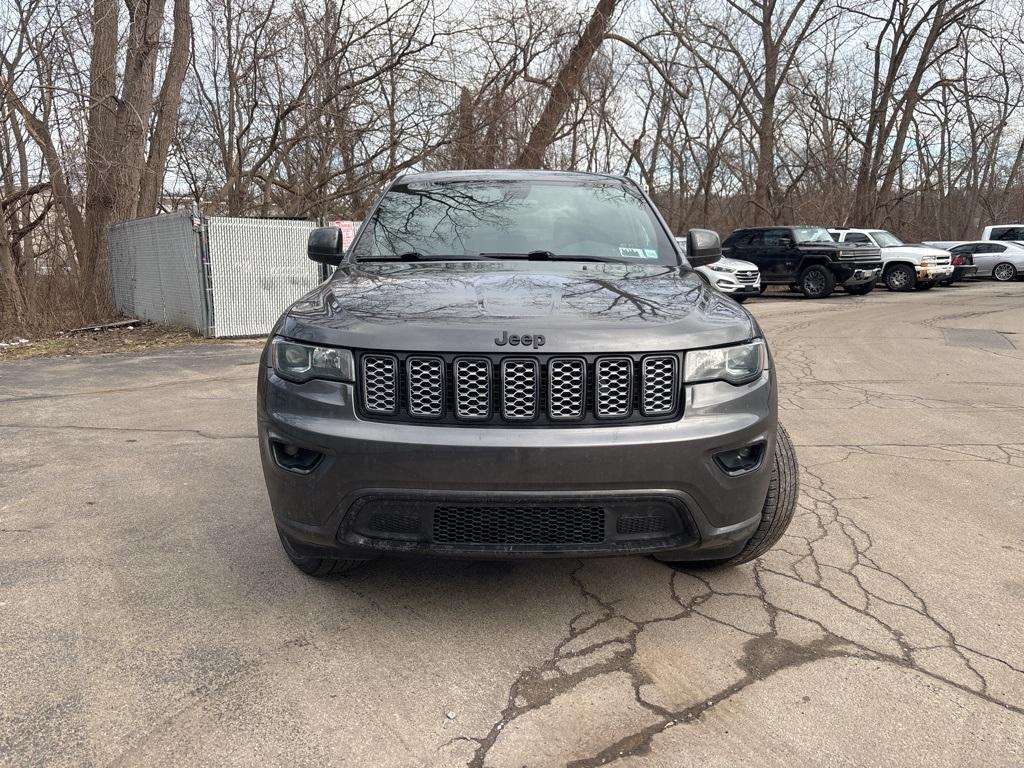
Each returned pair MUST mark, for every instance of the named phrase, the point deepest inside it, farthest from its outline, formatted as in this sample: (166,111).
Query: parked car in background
(1003,260)
(963,267)
(905,266)
(738,279)
(806,258)
(1003,232)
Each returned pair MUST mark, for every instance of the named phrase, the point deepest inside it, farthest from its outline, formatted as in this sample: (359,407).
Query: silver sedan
(1001,259)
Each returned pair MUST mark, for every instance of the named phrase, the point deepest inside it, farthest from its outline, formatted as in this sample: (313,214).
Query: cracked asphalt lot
(149,617)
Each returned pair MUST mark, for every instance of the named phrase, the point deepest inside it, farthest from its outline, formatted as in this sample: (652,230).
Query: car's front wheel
(1004,272)
(776,513)
(817,282)
(315,566)
(900,277)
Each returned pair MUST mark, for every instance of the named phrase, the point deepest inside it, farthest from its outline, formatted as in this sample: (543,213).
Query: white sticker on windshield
(637,253)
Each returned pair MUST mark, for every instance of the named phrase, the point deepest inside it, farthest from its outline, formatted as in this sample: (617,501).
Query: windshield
(886,239)
(603,220)
(812,235)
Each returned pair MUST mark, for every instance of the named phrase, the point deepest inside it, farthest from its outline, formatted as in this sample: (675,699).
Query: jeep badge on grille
(526,340)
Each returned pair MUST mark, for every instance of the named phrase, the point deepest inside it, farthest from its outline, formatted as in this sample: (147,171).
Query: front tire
(900,277)
(315,566)
(777,512)
(817,282)
(1004,272)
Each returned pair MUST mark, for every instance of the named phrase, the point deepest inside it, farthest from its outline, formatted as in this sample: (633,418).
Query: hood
(736,265)
(916,249)
(470,306)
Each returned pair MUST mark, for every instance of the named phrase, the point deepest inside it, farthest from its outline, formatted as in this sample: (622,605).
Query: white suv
(735,277)
(904,265)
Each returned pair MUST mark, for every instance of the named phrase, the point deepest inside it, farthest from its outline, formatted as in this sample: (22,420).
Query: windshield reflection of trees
(397,225)
(467,219)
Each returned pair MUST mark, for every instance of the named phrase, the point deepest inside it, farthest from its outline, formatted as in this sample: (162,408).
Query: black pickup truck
(806,259)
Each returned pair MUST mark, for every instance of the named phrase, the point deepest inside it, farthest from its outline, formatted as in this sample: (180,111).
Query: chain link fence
(221,276)
(156,271)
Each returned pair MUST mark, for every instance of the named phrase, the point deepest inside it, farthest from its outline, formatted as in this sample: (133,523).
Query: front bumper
(934,272)
(858,274)
(370,472)
(728,284)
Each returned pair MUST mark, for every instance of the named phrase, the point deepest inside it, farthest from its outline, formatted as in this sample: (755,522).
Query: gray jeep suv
(520,364)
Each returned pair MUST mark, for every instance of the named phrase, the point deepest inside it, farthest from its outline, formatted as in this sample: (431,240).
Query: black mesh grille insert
(485,524)
(395,522)
(641,524)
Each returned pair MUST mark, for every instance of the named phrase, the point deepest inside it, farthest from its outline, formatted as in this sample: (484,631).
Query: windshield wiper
(543,256)
(417,256)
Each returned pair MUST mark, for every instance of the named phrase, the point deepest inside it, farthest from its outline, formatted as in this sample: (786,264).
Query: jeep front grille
(567,388)
(425,379)
(614,387)
(380,384)
(520,390)
(473,388)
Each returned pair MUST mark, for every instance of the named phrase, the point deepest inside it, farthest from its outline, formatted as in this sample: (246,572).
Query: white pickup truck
(904,265)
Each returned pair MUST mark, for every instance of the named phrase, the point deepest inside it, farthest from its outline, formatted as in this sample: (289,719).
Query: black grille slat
(567,388)
(614,385)
(380,384)
(424,379)
(508,525)
(519,387)
(472,381)
(522,391)
(659,384)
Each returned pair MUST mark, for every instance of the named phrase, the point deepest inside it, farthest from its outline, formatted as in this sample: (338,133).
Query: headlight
(302,362)
(737,364)
(927,262)
(719,269)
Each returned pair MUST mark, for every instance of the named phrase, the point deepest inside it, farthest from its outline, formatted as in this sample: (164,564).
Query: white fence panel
(257,268)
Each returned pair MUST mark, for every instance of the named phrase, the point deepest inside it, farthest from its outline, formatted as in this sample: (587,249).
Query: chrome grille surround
(380,384)
(747,276)
(425,386)
(659,384)
(519,389)
(472,382)
(567,388)
(613,382)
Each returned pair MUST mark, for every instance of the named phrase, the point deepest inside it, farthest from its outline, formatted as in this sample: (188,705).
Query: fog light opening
(295,458)
(741,460)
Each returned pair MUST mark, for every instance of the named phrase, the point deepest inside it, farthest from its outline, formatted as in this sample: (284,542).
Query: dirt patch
(125,338)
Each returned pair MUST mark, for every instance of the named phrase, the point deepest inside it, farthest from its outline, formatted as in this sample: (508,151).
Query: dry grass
(126,339)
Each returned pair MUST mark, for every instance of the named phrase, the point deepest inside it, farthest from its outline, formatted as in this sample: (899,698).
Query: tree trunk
(167,110)
(565,86)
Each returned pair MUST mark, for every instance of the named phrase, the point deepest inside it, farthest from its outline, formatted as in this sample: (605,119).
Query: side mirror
(702,247)
(324,246)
